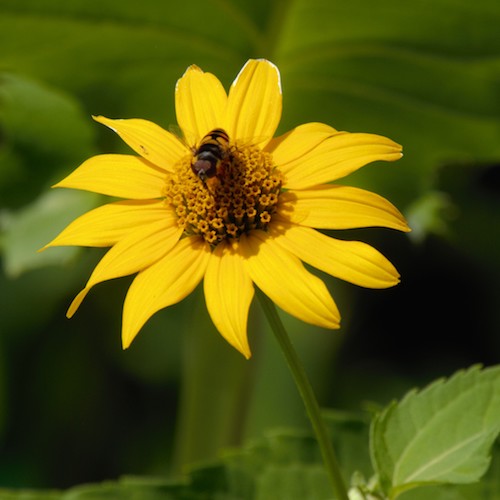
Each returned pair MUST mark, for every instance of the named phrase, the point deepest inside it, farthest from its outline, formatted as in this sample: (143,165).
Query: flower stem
(307,395)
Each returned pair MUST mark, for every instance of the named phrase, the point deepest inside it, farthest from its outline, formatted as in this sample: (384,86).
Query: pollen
(243,196)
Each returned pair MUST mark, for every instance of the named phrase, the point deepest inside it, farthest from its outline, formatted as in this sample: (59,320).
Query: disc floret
(241,198)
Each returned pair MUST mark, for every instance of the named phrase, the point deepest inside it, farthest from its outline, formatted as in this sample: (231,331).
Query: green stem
(308,397)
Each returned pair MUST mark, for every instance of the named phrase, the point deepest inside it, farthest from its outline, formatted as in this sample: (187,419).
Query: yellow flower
(233,207)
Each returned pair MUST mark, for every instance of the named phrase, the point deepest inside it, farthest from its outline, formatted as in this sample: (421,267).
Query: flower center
(225,196)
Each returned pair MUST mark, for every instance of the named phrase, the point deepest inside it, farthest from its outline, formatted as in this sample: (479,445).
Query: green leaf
(486,489)
(27,230)
(283,465)
(442,434)
(42,131)
(123,489)
(429,214)
(426,77)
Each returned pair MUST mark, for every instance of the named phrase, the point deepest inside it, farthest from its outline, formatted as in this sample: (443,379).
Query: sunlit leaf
(27,230)
(442,434)
(486,489)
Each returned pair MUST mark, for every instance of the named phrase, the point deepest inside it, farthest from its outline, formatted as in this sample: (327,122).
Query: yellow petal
(254,102)
(282,277)
(352,261)
(165,283)
(136,251)
(104,226)
(152,142)
(336,157)
(340,207)
(77,302)
(228,294)
(200,102)
(123,176)
(296,143)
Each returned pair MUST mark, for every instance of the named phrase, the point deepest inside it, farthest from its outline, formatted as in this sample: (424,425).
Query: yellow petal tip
(194,67)
(104,121)
(241,347)
(128,337)
(246,353)
(76,302)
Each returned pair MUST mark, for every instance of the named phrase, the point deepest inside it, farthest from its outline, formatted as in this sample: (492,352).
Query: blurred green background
(74,407)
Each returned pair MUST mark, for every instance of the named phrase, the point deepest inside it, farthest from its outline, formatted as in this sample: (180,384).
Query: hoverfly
(212,155)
